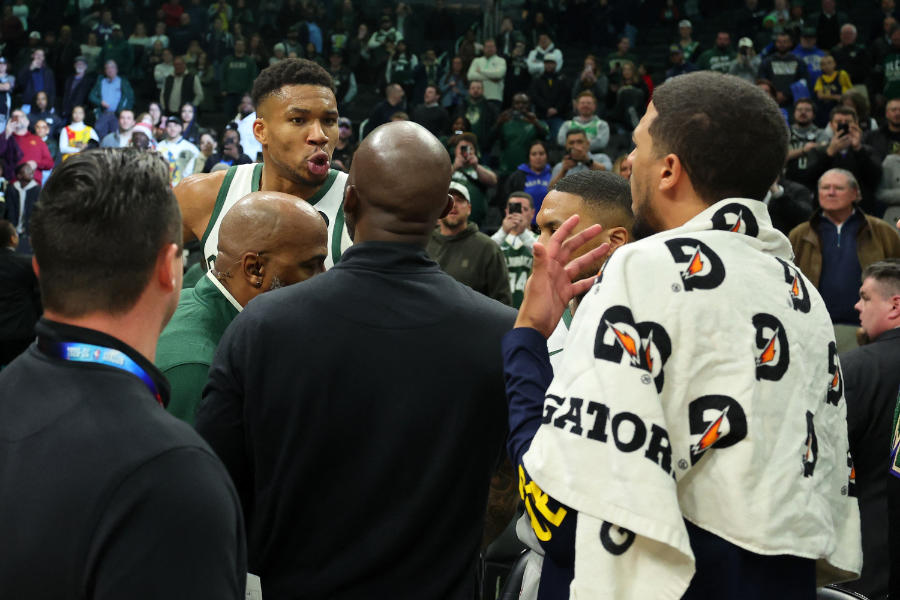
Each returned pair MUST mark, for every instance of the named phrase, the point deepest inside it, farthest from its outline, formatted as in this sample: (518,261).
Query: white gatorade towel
(699,381)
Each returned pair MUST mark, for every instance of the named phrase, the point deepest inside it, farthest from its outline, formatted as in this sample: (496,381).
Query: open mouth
(318,163)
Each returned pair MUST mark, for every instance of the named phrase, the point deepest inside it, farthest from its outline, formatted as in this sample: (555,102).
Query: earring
(259,283)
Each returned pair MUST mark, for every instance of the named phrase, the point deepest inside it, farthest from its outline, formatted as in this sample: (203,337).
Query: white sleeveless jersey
(241,180)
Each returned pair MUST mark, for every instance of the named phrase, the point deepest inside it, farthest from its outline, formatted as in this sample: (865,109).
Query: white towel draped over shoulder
(699,381)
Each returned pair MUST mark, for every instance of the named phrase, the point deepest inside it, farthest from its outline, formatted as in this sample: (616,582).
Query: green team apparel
(188,343)
(892,76)
(519,261)
(241,180)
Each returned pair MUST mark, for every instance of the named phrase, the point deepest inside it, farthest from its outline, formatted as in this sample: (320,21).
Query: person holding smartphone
(475,177)
(846,151)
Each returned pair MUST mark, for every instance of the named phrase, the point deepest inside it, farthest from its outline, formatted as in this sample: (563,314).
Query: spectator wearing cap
(77,87)
(468,171)
(747,62)
(810,54)
(851,56)
(7,84)
(466,254)
(550,94)
(544,51)
(385,32)
(232,153)
(178,152)
(142,138)
(344,147)
(110,94)
(679,66)
(118,49)
(430,114)
(179,88)
(688,45)
(37,77)
(719,57)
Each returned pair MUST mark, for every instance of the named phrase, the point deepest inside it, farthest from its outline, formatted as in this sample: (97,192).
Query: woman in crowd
(76,136)
(207,146)
(190,131)
(139,38)
(160,36)
(157,121)
(622,166)
(532,177)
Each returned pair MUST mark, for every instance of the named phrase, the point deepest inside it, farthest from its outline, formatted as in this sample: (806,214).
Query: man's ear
(259,131)
(36,267)
(671,173)
(252,269)
(894,312)
(447,208)
(168,266)
(618,236)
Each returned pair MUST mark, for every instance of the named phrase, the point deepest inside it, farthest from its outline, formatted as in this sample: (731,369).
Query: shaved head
(268,240)
(398,185)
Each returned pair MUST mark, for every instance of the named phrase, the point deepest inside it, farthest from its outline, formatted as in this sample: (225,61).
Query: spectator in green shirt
(238,73)
(719,57)
(515,129)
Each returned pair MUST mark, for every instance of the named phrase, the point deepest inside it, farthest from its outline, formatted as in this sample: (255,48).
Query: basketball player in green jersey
(296,124)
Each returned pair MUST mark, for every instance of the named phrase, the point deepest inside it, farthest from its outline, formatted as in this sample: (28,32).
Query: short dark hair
(7,233)
(728,134)
(98,228)
(524,196)
(576,130)
(886,272)
(843,110)
(290,71)
(540,143)
(806,101)
(602,192)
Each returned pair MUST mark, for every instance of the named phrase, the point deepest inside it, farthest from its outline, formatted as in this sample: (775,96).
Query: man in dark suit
(386,440)
(20,300)
(871,380)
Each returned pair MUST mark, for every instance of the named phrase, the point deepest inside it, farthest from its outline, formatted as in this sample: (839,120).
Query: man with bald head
(361,413)
(267,240)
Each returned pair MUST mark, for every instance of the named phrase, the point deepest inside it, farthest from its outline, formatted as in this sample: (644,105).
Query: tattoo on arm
(502,501)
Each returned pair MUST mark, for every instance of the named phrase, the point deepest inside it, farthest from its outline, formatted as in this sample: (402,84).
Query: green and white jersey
(557,340)
(241,180)
(519,260)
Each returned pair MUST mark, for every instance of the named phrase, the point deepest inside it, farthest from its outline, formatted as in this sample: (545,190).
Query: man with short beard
(886,140)
(699,381)
(804,134)
(465,253)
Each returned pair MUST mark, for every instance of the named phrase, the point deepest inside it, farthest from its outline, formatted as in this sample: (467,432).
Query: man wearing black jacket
(20,300)
(360,413)
(103,493)
(872,379)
